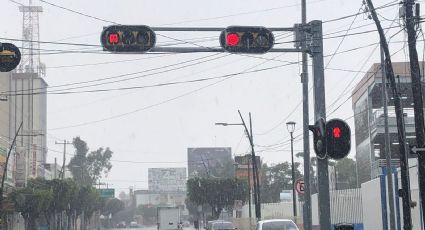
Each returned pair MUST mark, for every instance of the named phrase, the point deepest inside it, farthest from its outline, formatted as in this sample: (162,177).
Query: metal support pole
(389,173)
(306,139)
(418,105)
(5,167)
(256,172)
(294,199)
(64,143)
(254,166)
(320,112)
(249,189)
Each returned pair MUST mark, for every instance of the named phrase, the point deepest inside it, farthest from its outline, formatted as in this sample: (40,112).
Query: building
(52,171)
(19,104)
(167,179)
(369,120)
(213,162)
(243,163)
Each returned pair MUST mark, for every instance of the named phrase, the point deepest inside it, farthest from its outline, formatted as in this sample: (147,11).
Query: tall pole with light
(291,127)
(255,174)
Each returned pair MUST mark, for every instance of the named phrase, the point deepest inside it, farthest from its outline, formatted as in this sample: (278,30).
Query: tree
(346,173)
(87,168)
(148,212)
(275,179)
(32,203)
(217,193)
(112,207)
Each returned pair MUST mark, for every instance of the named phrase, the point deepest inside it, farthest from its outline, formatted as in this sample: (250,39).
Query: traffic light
(338,139)
(246,39)
(127,39)
(319,137)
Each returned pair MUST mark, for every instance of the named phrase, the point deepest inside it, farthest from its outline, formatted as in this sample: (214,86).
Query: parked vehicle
(276,224)
(168,218)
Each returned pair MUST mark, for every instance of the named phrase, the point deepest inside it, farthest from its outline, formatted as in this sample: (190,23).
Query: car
(186,224)
(222,225)
(276,224)
(134,224)
(121,225)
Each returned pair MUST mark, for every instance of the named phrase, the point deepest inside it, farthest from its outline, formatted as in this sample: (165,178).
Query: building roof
(400,68)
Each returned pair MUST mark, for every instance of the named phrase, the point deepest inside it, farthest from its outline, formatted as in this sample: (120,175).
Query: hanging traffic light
(319,137)
(338,139)
(246,39)
(127,39)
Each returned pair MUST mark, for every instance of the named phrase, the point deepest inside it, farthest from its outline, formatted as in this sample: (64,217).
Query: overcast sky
(153,127)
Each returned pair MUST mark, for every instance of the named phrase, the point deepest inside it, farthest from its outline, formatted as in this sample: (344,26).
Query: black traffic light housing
(331,138)
(127,39)
(10,57)
(338,139)
(246,39)
(319,138)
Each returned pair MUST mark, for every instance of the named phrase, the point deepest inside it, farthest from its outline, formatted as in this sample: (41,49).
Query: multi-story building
(369,120)
(213,162)
(167,179)
(18,103)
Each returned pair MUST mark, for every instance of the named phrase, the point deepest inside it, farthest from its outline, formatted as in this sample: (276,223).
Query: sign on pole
(10,56)
(299,186)
(106,192)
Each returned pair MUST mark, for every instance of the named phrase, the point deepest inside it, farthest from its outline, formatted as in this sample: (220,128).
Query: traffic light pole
(306,117)
(316,52)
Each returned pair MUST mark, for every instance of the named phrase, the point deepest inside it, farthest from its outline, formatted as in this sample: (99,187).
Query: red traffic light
(232,39)
(336,132)
(124,38)
(113,38)
(246,39)
(338,139)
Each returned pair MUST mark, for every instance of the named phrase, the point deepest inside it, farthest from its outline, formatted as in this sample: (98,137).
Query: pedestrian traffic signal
(338,139)
(127,39)
(319,137)
(246,39)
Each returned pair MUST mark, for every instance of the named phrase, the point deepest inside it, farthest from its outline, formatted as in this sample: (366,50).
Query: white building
(19,104)
(167,179)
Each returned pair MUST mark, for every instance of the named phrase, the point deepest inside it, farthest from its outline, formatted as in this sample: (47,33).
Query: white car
(276,224)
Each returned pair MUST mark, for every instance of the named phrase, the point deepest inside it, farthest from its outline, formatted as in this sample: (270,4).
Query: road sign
(416,149)
(299,186)
(10,56)
(106,192)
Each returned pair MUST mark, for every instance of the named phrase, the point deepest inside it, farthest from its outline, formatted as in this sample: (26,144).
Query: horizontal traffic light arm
(202,29)
(159,49)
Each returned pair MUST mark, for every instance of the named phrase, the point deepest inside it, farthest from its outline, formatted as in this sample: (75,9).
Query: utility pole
(64,143)
(255,167)
(417,95)
(5,168)
(387,142)
(249,189)
(405,180)
(306,136)
(320,112)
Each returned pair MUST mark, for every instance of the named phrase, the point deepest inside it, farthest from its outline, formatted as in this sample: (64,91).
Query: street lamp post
(255,174)
(291,127)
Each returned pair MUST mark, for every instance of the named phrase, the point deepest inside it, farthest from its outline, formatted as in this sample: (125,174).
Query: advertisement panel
(206,161)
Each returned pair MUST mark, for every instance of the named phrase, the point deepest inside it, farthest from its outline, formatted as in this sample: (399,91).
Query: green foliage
(87,168)
(276,178)
(112,206)
(217,193)
(346,173)
(51,197)
(148,212)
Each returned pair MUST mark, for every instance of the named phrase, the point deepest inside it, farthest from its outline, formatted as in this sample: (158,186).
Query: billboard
(167,179)
(214,162)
